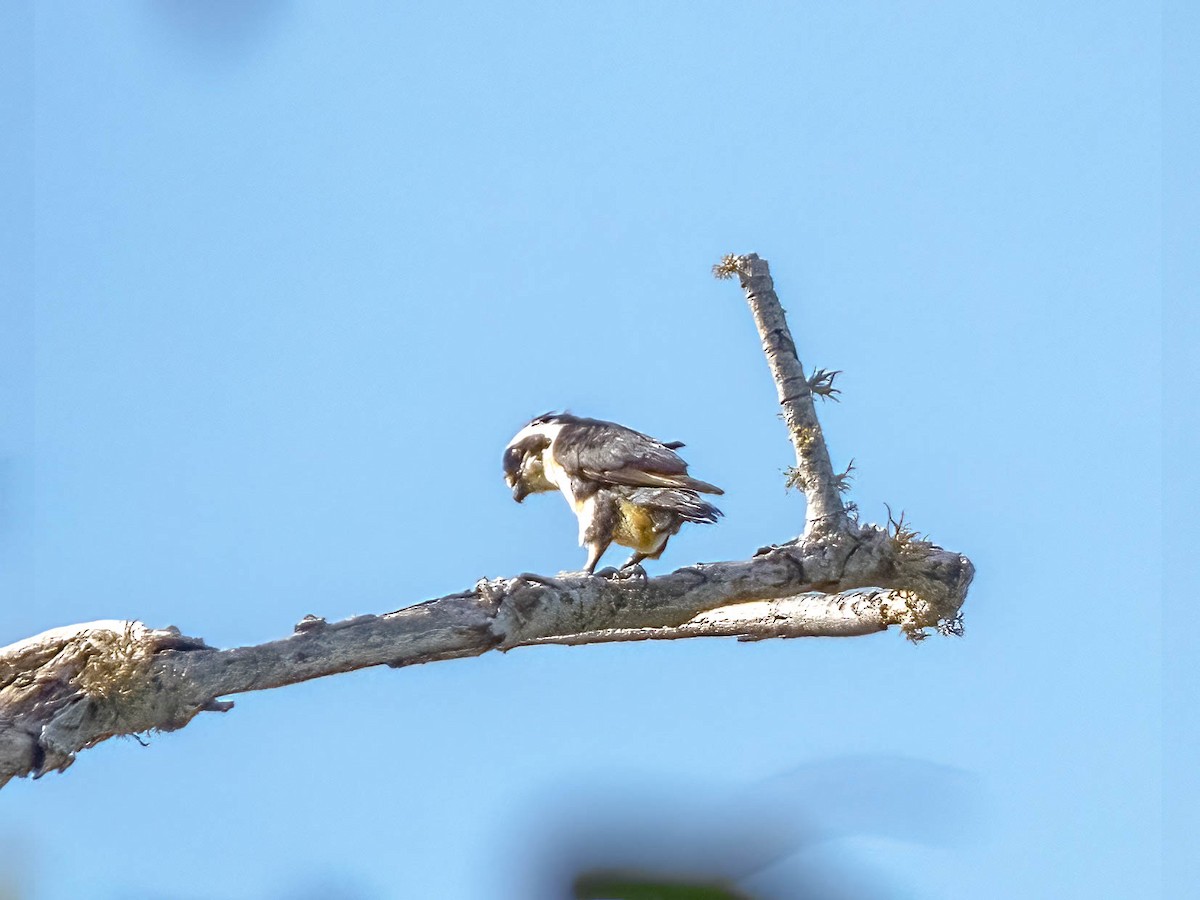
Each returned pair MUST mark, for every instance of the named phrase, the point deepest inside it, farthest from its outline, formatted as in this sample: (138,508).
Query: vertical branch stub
(813,471)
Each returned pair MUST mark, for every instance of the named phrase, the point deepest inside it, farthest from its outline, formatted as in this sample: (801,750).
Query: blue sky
(288,276)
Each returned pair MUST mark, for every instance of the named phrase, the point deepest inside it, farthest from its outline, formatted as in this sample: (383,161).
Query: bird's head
(524,472)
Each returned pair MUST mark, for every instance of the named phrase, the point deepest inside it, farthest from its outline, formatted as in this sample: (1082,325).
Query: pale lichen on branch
(729,265)
(821,384)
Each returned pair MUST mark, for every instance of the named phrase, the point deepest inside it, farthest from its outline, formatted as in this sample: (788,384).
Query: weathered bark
(814,471)
(68,689)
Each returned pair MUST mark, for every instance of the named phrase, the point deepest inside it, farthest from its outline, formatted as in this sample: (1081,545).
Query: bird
(623,486)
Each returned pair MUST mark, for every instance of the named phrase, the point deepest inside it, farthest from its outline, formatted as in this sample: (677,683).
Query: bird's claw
(634,570)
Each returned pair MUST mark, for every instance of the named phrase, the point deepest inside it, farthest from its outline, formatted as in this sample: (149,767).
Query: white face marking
(553,471)
(548,430)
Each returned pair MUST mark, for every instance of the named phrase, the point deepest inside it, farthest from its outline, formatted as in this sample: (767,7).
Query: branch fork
(68,689)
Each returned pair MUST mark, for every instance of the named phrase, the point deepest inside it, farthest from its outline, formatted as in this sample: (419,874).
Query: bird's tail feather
(685,504)
(695,484)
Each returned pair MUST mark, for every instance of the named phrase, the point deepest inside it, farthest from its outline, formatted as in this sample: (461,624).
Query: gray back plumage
(613,454)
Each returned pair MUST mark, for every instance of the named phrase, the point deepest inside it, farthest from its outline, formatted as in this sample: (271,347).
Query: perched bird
(623,486)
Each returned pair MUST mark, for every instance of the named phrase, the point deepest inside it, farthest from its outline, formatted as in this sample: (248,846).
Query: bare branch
(813,472)
(68,689)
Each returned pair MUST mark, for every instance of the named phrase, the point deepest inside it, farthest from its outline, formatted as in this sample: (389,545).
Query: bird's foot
(633,570)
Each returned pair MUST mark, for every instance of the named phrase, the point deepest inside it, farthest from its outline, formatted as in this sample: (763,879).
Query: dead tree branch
(68,689)
(813,472)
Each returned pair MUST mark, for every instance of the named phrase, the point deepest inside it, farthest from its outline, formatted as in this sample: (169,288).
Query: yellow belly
(635,529)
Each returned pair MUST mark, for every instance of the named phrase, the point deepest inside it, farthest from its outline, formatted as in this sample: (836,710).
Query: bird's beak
(519,492)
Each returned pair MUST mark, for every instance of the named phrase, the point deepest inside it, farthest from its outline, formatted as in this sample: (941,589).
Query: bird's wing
(687,505)
(613,454)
